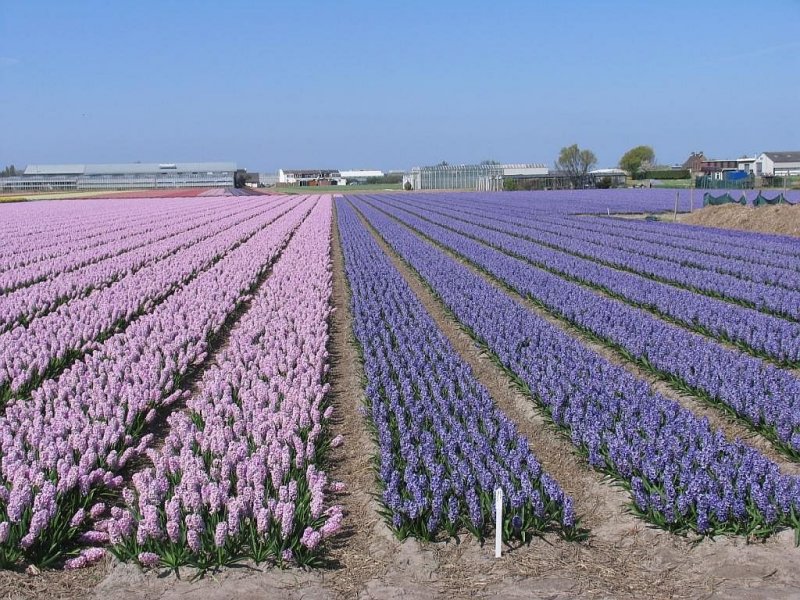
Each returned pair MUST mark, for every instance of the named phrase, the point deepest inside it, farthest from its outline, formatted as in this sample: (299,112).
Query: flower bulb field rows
(443,446)
(50,342)
(65,257)
(774,299)
(30,301)
(64,447)
(758,333)
(765,396)
(783,259)
(238,473)
(682,475)
(167,395)
(702,254)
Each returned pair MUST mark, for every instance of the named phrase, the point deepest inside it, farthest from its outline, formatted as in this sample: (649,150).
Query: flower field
(647,442)
(444,448)
(85,380)
(171,396)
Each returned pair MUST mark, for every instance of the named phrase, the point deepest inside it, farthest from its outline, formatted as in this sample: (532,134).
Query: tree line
(576,163)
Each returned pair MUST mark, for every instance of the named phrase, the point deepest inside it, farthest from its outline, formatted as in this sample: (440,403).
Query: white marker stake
(498,522)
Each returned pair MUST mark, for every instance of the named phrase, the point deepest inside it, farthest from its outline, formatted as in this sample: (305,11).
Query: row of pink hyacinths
(71,251)
(26,353)
(41,231)
(64,448)
(116,260)
(237,475)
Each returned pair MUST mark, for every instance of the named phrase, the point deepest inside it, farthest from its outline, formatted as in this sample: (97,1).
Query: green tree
(510,185)
(575,163)
(637,160)
(9,171)
(604,183)
(489,161)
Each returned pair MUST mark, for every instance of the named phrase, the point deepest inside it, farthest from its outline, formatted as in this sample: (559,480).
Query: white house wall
(764,165)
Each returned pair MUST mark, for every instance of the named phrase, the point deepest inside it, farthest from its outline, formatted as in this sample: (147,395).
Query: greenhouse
(482,177)
(121,176)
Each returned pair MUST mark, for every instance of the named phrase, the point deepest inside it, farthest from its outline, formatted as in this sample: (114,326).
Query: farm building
(122,176)
(771,164)
(746,164)
(698,165)
(717,168)
(310,177)
(694,163)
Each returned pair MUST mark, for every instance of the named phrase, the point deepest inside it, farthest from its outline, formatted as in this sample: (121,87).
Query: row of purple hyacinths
(443,445)
(662,233)
(760,334)
(764,396)
(758,246)
(69,257)
(764,297)
(681,474)
(617,201)
(26,303)
(238,474)
(64,448)
(50,342)
(754,263)
(697,264)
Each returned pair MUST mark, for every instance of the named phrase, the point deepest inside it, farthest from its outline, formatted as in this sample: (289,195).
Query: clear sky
(358,84)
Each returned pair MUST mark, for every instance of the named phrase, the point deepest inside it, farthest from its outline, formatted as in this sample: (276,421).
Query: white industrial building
(777,164)
(313,177)
(122,176)
(360,174)
(310,177)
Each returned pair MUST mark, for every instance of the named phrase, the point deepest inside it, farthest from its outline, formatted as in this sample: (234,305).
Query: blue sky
(394,84)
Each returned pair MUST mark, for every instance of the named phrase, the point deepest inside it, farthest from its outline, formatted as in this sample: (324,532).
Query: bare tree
(575,163)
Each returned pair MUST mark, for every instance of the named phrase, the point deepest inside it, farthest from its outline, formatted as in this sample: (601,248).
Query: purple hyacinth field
(367,396)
